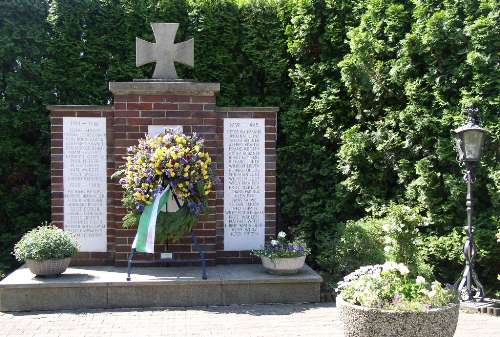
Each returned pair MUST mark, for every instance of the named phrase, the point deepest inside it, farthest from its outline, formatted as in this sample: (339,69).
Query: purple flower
(139,208)
(184,161)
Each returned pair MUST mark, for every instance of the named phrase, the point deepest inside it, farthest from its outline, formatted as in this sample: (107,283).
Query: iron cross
(164,52)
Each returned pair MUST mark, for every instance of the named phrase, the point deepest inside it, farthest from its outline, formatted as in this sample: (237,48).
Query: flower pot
(368,322)
(283,265)
(48,267)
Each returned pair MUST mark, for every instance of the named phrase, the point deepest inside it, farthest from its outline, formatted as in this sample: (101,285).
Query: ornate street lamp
(469,143)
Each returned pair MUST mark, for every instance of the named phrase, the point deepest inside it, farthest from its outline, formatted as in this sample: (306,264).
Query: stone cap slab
(79,107)
(230,109)
(109,276)
(187,88)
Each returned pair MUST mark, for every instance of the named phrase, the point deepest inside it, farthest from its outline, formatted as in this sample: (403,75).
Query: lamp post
(469,140)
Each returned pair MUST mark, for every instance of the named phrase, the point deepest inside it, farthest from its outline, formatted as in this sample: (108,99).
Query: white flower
(387,249)
(403,269)
(281,235)
(274,242)
(420,280)
(390,266)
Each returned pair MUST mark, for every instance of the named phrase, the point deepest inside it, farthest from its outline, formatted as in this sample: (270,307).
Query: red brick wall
(133,114)
(127,121)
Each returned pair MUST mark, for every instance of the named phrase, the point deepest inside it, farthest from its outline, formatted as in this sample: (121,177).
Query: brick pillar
(57,113)
(270,116)
(139,104)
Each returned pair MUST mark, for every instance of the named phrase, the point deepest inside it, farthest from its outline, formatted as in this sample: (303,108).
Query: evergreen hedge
(369,91)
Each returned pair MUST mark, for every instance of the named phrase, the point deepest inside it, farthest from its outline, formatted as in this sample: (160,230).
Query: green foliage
(46,243)
(174,225)
(372,119)
(401,226)
(24,126)
(349,246)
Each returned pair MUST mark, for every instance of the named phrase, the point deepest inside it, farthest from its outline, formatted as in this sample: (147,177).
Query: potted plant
(283,257)
(383,301)
(47,250)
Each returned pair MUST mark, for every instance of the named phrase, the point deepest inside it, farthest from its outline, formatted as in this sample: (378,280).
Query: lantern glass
(473,140)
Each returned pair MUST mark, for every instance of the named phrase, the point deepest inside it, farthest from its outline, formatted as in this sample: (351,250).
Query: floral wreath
(170,161)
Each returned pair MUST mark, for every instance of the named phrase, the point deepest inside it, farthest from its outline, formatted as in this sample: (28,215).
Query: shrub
(350,246)
(45,243)
(402,239)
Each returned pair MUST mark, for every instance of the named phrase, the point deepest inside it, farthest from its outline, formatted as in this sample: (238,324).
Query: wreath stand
(196,245)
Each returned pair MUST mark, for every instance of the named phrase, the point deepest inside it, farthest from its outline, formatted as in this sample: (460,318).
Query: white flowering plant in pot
(47,250)
(378,300)
(283,256)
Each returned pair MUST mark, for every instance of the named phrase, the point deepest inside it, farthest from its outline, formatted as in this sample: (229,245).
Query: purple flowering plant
(171,160)
(281,247)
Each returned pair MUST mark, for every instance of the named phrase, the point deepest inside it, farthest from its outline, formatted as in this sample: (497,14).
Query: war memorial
(88,143)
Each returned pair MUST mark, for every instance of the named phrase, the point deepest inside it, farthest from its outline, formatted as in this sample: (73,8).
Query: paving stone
(291,320)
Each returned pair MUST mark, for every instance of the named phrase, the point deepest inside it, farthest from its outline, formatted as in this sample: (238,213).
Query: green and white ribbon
(145,238)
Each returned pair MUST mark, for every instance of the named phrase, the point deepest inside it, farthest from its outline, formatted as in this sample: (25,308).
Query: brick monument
(88,144)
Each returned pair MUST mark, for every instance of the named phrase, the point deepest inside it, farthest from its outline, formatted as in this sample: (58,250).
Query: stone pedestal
(139,108)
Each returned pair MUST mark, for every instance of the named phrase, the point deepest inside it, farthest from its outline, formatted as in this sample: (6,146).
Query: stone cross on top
(164,52)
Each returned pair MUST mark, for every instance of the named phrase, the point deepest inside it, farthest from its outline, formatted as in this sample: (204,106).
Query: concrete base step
(106,287)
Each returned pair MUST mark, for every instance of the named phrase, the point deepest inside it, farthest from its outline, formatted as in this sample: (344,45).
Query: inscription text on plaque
(84,181)
(244,183)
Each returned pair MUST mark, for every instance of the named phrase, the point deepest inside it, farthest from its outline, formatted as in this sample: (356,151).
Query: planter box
(48,267)
(369,322)
(283,266)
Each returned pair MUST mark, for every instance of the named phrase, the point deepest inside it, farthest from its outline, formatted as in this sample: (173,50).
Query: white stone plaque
(153,131)
(244,183)
(85,181)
